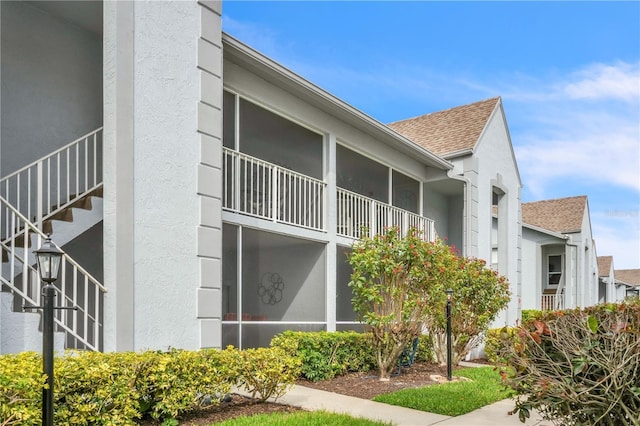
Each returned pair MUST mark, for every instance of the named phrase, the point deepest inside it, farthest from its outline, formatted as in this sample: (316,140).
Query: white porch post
(330,214)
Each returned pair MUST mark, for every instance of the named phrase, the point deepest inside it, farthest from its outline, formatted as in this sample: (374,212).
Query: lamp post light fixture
(449,351)
(48,257)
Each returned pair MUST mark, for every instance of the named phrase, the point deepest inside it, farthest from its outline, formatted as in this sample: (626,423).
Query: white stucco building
(560,269)
(211,195)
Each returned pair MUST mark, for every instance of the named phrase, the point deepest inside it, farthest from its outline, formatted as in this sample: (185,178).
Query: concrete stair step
(20,331)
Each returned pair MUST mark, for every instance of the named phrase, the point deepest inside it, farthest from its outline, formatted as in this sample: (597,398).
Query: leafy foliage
(577,367)
(268,372)
(394,281)
(93,388)
(21,383)
(325,355)
(479,294)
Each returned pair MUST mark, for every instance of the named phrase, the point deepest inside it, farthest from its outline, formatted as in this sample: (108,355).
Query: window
(554,270)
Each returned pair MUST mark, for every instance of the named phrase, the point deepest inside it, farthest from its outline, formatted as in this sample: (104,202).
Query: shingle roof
(628,276)
(563,215)
(604,265)
(448,131)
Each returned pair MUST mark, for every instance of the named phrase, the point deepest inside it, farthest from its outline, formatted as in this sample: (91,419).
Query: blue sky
(568,74)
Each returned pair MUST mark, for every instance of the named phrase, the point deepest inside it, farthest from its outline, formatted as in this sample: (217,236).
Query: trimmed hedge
(93,388)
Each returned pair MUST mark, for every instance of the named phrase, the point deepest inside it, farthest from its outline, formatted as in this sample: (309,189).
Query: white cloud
(602,81)
(580,127)
(616,233)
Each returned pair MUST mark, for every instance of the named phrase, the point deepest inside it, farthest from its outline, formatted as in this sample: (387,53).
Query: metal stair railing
(83,327)
(54,182)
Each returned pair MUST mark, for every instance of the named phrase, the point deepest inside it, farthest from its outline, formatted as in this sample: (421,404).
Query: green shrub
(325,355)
(174,382)
(493,342)
(21,382)
(268,372)
(425,352)
(577,367)
(92,388)
(530,314)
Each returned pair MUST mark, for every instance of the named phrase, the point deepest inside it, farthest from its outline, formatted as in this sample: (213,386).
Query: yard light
(449,351)
(48,257)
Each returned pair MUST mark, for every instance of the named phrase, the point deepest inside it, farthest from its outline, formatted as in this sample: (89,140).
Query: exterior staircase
(59,194)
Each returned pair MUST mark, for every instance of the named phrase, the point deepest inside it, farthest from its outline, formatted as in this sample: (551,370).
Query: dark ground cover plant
(576,367)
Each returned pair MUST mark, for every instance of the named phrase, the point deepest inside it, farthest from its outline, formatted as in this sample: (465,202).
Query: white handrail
(48,185)
(83,327)
(359,216)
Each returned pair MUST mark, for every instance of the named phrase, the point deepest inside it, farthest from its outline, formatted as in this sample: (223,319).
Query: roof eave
(287,79)
(456,154)
(546,231)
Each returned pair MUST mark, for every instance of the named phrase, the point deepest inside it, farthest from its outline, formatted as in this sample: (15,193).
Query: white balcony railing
(262,189)
(552,302)
(258,188)
(359,216)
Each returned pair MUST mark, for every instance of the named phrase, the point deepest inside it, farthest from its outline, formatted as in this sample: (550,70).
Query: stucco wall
(162,174)
(51,84)
(493,165)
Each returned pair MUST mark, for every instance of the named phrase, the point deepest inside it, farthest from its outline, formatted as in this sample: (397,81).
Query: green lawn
(452,399)
(302,418)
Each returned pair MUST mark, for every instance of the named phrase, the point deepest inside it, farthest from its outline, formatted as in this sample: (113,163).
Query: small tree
(393,284)
(479,295)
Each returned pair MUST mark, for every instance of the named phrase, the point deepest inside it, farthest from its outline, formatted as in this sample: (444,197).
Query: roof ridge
(556,199)
(446,110)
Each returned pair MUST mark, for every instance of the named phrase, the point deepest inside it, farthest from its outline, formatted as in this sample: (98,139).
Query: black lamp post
(449,351)
(48,257)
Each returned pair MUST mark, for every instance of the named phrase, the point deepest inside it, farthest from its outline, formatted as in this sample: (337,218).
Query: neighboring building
(610,290)
(559,267)
(475,139)
(629,280)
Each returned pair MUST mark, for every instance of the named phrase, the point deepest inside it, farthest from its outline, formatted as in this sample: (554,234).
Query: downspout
(466,235)
(575,285)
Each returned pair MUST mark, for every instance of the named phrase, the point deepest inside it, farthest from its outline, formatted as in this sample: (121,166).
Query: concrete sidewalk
(314,399)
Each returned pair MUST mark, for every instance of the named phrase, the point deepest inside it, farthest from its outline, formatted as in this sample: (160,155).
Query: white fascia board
(546,231)
(240,53)
(460,153)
